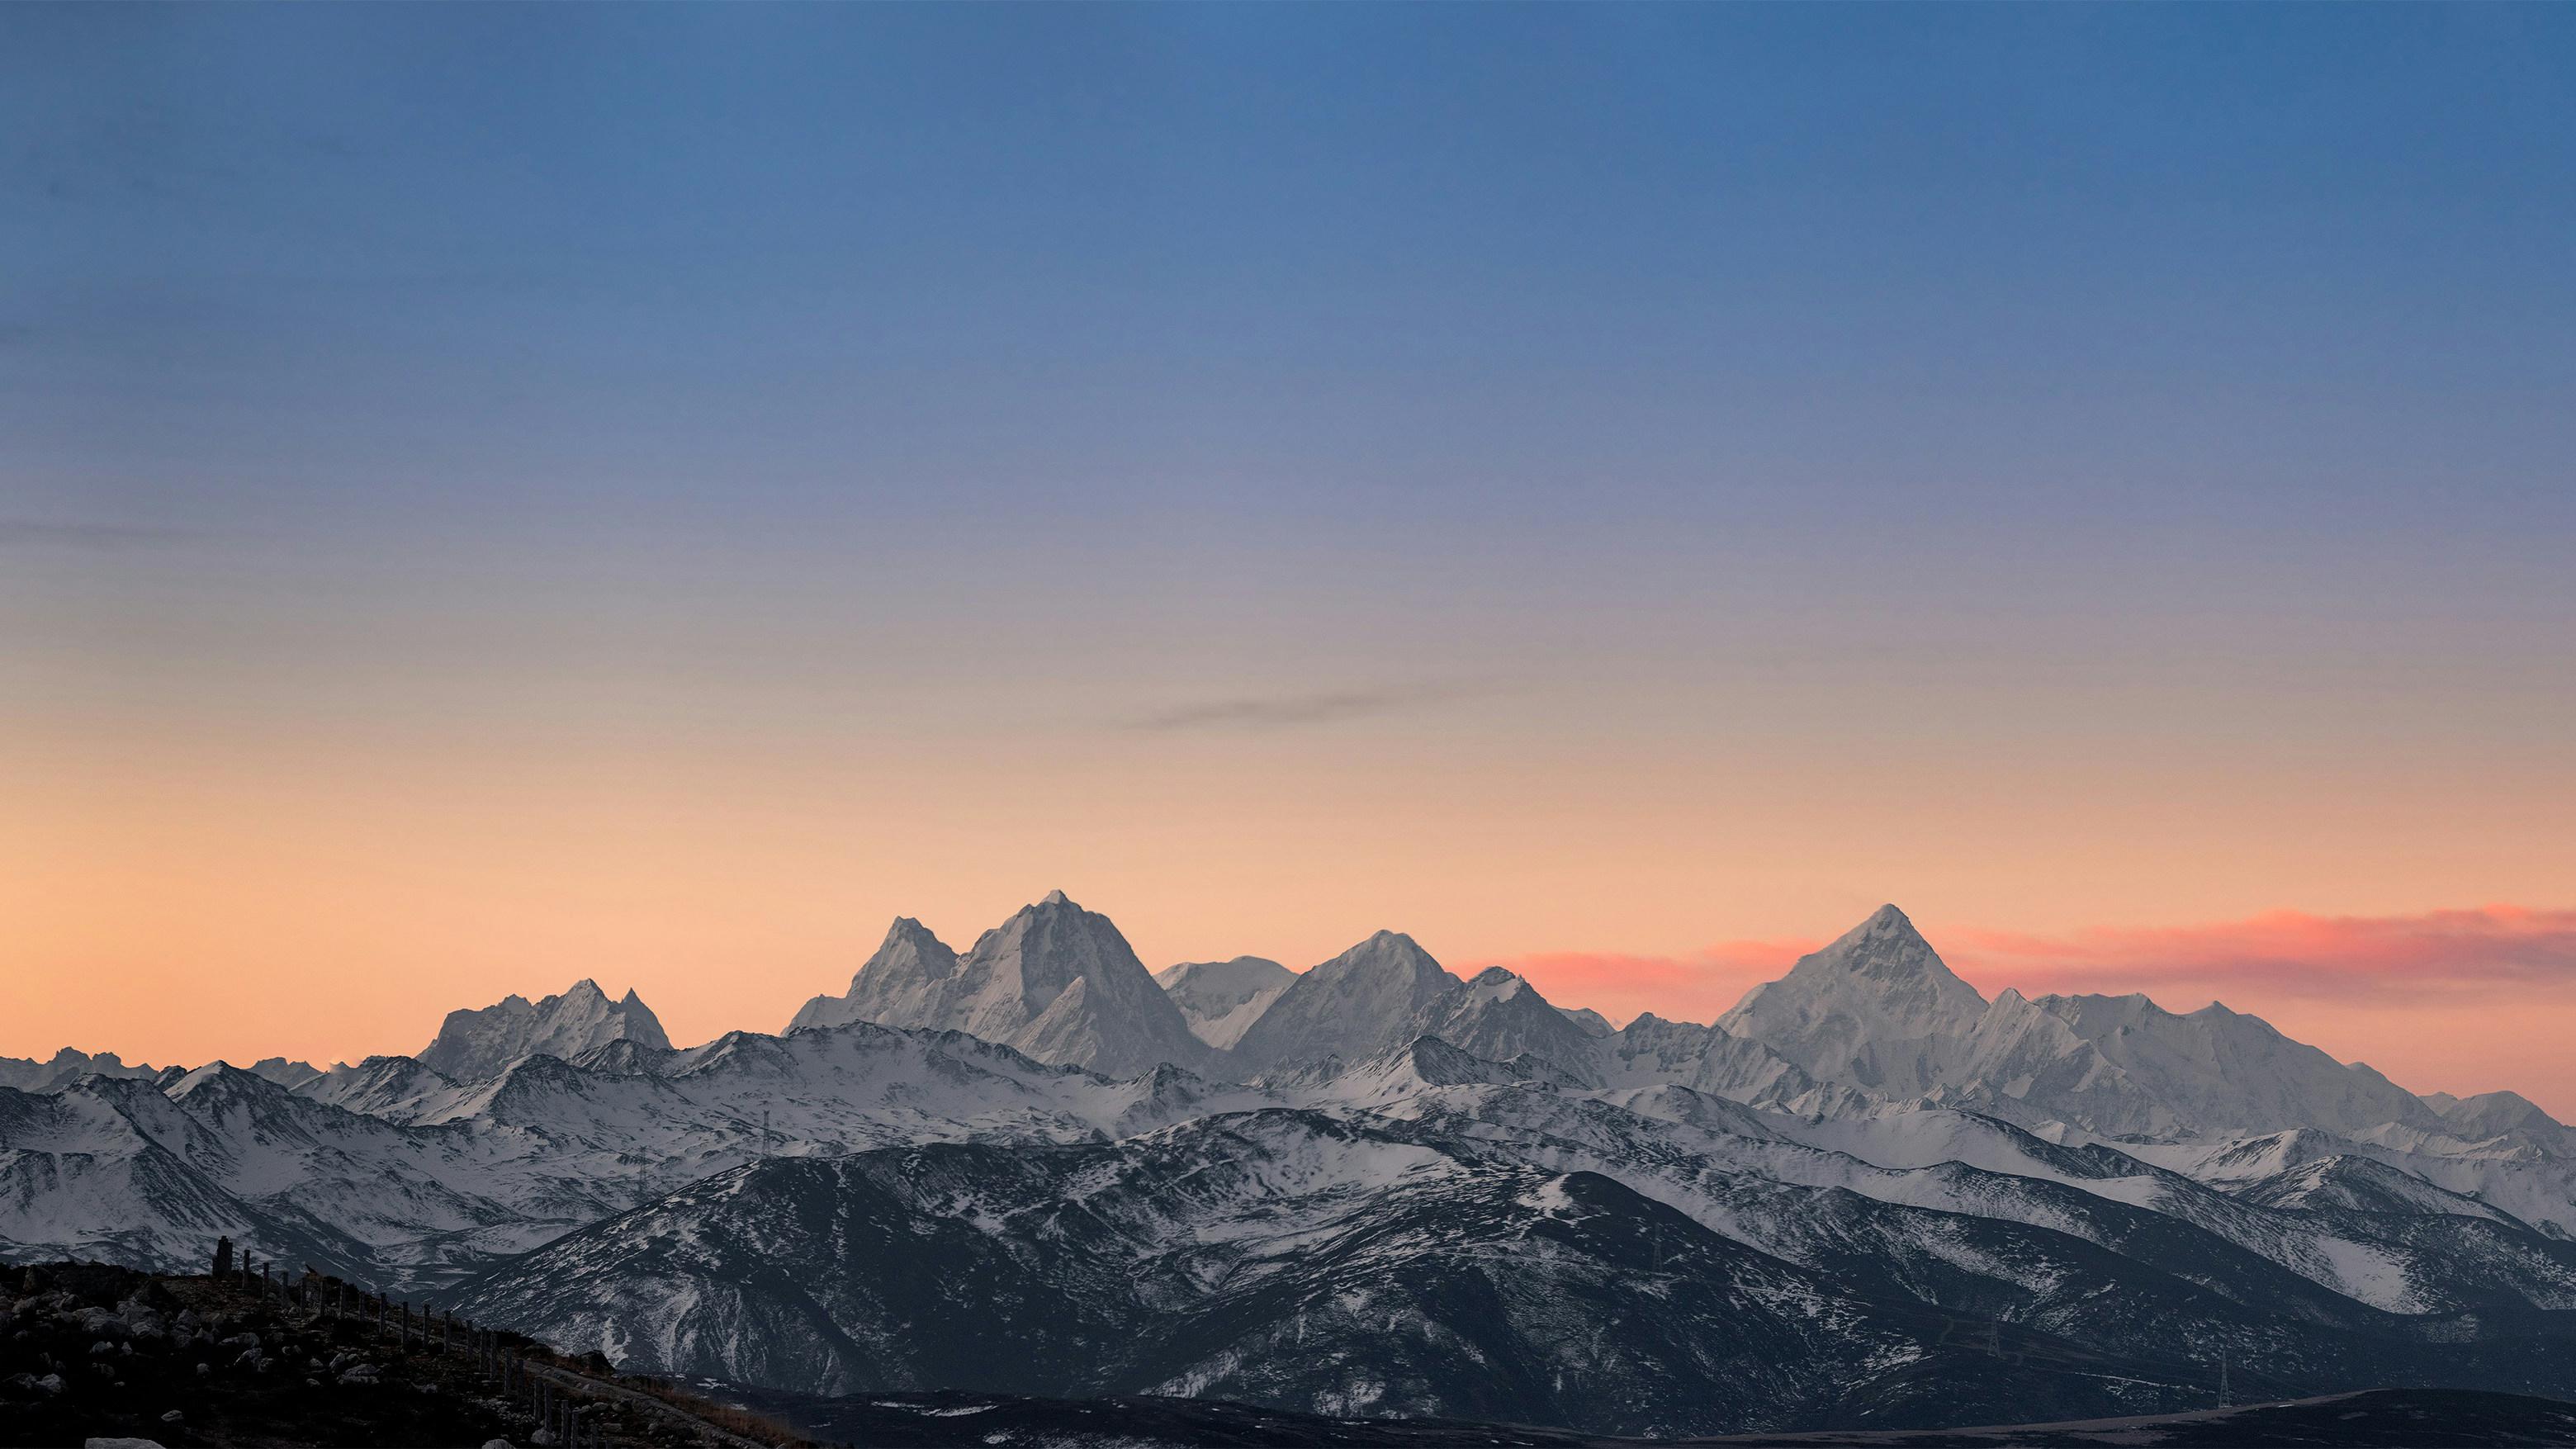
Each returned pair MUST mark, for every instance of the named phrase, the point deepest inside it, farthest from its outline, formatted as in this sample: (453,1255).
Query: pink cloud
(2384,958)
(1696,987)
(2466,1000)
(2388,958)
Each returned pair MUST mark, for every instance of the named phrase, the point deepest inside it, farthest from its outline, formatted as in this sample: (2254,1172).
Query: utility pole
(2226,1400)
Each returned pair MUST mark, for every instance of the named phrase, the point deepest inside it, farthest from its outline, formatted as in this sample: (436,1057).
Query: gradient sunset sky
(493,496)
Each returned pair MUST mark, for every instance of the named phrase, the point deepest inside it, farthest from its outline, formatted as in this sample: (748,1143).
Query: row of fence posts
(507,1368)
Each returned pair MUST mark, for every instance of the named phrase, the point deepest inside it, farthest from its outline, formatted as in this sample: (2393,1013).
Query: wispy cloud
(94,537)
(1286,711)
(2381,957)
(1699,986)
(2353,960)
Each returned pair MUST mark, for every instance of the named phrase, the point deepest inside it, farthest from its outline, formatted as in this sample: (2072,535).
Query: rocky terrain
(93,1351)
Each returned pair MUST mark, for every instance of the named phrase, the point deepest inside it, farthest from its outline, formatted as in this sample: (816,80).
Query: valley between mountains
(1867,1196)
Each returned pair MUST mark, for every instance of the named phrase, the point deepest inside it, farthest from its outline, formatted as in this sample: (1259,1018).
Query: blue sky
(2121,266)
(2129,440)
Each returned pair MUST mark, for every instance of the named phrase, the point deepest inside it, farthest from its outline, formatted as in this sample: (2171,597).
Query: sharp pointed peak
(1886,933)
(1885,957)
(1388,948)
(906,929)
(1057,898)
(1885,922)
(585,987)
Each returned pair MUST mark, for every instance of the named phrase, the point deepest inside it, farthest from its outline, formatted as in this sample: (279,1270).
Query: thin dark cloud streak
(1289,711)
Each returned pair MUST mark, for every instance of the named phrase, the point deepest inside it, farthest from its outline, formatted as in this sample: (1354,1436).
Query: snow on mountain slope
(1055,981)
(1368,1000)
(1877,1009)
(2535,1189)
(1538,1254)
(2220,1070)
(390,1087)
(1714,1060)
(2362,1184)
(437,1175)
(2509,1115)
(1500,1016)
(1594,1024)
(908,982)
(2409,1266)
(289,1075)
(1274,1257)
(1964,1238)
(64,1068)
(1430,1195)
(1386,991)
(478,1045)
(116,1169)
(1221,999)
(1407,1071)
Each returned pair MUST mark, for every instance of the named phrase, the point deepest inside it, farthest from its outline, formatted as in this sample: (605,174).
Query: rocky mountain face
(1518,1251)
(1055,981)
(1869,1195)
(1877,1009)
(64,1068)
(1222,999)
(475,1046)
(1386,991)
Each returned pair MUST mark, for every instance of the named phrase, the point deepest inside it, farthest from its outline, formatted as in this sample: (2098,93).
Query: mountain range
(1867,1195)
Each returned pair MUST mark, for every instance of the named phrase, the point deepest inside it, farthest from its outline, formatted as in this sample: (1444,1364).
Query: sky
(495,495)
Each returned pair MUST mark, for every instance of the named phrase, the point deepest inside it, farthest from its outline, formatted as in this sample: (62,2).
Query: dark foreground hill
(2378,1419)
(93,1351)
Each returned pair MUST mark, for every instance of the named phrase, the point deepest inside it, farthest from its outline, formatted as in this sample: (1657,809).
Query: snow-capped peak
(1877,1008)
(1221,999)
(1055,981)
(479,1045)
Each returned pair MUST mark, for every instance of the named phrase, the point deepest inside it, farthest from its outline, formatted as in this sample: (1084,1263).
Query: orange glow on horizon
(299,892)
